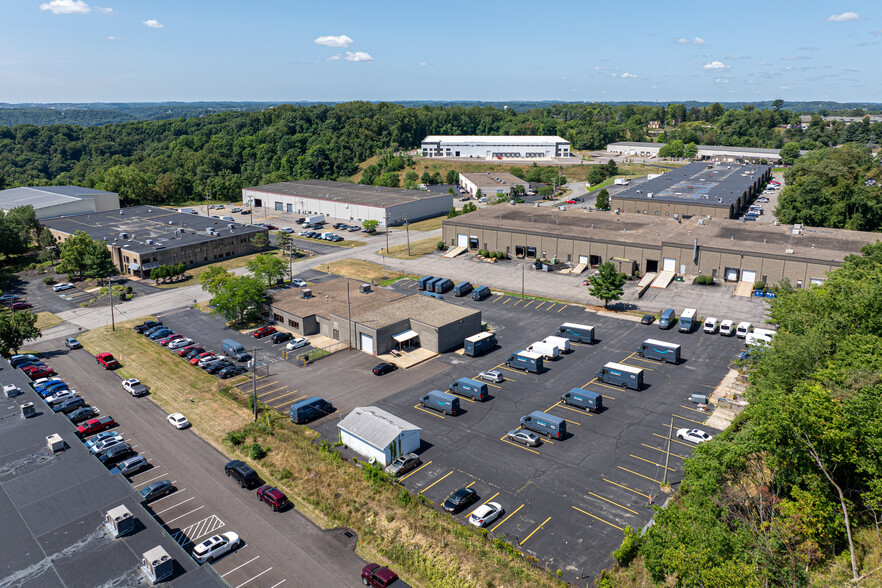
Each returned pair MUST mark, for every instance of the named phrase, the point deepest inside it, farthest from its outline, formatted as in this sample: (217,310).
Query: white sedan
(297,343)
(694,435)
(298,283)
(215,547)
(485,514)
(178,420)
(60,396)
(62,286)
(180,343)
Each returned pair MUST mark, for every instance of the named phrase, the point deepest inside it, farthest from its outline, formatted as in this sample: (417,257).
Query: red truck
(107,360)
(377,576)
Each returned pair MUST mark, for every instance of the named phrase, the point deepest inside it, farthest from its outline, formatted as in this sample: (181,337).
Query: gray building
(348,202)
(698,189)
(721,153)
(54,201)
(375,433)
(141,238)
(494,147)
(374,322)
(490,183)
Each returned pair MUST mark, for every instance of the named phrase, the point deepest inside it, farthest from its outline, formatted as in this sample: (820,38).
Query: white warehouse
(375,433)
(348,202)
(55,201)
(496,147)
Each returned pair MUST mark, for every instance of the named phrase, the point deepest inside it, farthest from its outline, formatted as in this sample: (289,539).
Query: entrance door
(367,343)
(651,265)
(583,259)
(462,240)
(669,264)
(473,242)
(748,276)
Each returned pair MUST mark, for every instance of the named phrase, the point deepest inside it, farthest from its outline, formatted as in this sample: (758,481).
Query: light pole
(110,295)
(407,230)
(523,272)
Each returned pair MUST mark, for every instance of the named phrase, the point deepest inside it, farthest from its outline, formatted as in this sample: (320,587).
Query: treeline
(791,493)
(171,161)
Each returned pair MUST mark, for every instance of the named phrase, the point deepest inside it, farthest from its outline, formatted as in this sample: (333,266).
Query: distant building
(654,124)
(496,147)
(715,152)
(54,201)
(490,182)
(348,202)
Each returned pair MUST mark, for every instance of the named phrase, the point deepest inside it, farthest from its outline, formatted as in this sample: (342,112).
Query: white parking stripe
(157,513)
(150,480)
(174,494)
(254,578)
(240,566)
(204,527)
(278,583)
(166,523)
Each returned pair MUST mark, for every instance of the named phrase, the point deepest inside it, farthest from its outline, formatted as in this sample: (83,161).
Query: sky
(582,50)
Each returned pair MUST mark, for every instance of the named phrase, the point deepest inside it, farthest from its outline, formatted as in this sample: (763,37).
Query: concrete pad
(744,289)
(663,279)
(454,252)
(408,359)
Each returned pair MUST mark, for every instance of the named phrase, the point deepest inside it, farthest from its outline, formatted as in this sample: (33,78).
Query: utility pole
(110,295)
(407,230)
(668,453)
(254,382)
(523,271)
(207,198)
(348,315)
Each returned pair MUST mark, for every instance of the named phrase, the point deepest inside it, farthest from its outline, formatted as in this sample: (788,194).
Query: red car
(202,355)
(185,350)
(263,332)
(272,496)
(377,576)
(107,360)
(93,426)
(20,305)
(40,372)
(169,339)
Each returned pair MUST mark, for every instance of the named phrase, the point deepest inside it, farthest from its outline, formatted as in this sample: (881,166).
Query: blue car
(161,333)
(44,385)
(50,390)
(152,330)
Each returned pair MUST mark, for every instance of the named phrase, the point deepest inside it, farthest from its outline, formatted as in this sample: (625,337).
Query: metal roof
(697,183)
(496,140)
(494,179)
(377,196)
(703,150)
(375,426)
(44,196)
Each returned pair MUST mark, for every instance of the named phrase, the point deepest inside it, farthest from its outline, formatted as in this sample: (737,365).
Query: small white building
(375,433)
(490,182)
(496,147)
(55,201)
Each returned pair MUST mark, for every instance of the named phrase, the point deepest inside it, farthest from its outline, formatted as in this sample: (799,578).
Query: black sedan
(218,366)
(230,371)
(460,500)
(647,319)
(147,326)
(280,337)
(156,489)
(83,414)
(116,453)
(384,368)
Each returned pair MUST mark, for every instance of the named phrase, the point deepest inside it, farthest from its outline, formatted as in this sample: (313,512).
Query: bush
(441,245)
(492,255)
(629,547)
(122,296)
(285,474)
(759,285)
(48,280)
(128,289)
(235,437)
(501,255)
(256,451)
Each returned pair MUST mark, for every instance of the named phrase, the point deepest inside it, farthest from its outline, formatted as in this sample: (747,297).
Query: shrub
(128,289)
(235,437)
(492,255)
(285,474)
(122,296)
(759,285)
(629,547)
(441,245)
(48,280)
(256,451)
(404,498)
(501,255)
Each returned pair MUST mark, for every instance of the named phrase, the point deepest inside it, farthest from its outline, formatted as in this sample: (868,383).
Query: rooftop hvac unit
(364,288)
(119,521)
(157,564)
(171,222)
(28,410)
(649,195)
(701,221)
(123,235)
(54,442)
(11,390)
(788,251)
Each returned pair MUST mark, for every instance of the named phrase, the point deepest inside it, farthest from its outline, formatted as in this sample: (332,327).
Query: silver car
(130,466)
(524,437)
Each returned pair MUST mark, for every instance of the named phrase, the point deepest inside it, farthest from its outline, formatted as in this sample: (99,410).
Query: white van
(742,330)
(760,337)
(727,328)
(711,325)
(228,219)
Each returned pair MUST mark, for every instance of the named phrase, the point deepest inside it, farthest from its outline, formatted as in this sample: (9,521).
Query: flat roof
(816,244)
(330,298)
(52,508)
(375,425)
(701,148)
(377,196)
(495,139)
(416,307)
(45,196)
(493,179)
(697,183)
(166,228)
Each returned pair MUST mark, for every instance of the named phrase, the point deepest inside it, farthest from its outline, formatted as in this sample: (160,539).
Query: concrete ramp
(744,289)
(646,280)
(663,279)
(455,251)
(579,268)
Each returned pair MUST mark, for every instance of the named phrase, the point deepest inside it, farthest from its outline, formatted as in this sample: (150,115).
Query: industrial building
(725,249)
(54,201)
(496,147)
(697,189)
(348,202)
(141,238)
(715,152)
(490,182)
(377,434)
(374,320)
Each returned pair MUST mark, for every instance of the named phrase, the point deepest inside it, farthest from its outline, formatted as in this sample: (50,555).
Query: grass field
(417,249)
(47,320)
(343,243)
(358,269)
(430,224)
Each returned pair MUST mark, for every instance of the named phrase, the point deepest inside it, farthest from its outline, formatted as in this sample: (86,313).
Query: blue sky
(190,50)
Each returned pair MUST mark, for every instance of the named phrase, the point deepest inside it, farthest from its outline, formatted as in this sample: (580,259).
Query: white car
(297,343)
(694,435)
(491,376)
(485,514)
(236,209)
(178,420)
(206,360)
(180,343)
(298,283)
(134,387)
(215,547)
(106,444)
(60,397)
(62,286)
(286,230)
(46,380)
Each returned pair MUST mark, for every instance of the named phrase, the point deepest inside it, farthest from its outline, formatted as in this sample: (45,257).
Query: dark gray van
(234,349)
(442,402)
(590,401)
(430,284)
(421,283)
(462,289)
(471,388)
(481,292)
(667,319)
(660,350)
(445,285)
(310,409)
(545,424)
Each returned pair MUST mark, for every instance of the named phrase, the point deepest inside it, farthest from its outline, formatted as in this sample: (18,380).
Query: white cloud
(333,58)
(597,68)
(844,17)
(422,64)
(716,65)
(334,41)
(695,41)
(721,81)
(153,24)
(112,38)
(66,7)
(629,76)
(104,10)
(357,56)
(683,41)
(698,41)
(614,75)
(735,56)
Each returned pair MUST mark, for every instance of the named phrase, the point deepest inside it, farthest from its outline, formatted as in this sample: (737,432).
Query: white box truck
(562,343)
(311,220)
(621,181)
(546,350)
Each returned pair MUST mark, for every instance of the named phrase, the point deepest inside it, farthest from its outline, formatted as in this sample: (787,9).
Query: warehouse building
(377,434)
(496,147)
(374,320)
(726,249)
(348,202)
(715,152)
(141,238)
(698,189)
(490,183)
(54,201)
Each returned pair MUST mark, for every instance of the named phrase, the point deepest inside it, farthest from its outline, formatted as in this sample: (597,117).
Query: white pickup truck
(134,387)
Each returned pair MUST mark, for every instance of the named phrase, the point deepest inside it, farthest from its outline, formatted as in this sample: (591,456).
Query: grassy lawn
(364,271)
(343,243)
(232,263)
(47,320)
(417,249)
(430,224)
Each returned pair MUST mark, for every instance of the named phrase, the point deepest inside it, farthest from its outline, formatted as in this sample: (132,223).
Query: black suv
(241,472)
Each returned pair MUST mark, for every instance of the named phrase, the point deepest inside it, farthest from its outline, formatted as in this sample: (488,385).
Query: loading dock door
(731,274)
(473,242)
(669,264)
(583,259)
(367,343)
(748,276)
(462,240)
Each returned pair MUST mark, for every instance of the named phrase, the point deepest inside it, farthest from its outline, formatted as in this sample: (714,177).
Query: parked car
(215,547)
(206,360)
(460,499)
(29,366)
(150,330)
(156,489)
(280,337)
(272,227)
(106,445)
(160,333)
(403,464)
(93,426)
(178,420)
(131,466)
(52,388)
(298,283)
(377,576)
(62,287)
(230,371)
(107,360)
(384,368)
(191,352)
(8,298)
(525,437)
(20,306)
(100,437)
(297,343)
(60,397)
(263,332)
(272,496)
(647,319)
(115,454)
(72,343)
(134,387)
(170,339)
(217,366)
(182,342)
(21,359)
(286,230)
(69,405)
(200,356)
(81,414)
(491,376)
(40,372)
(693,435)
(485,514)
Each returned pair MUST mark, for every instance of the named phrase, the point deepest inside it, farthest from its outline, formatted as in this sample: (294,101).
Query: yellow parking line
(507,300)
(552,306)
(598,518)
(651,462)
(518,302)
(563,307)
(288,394)
(504,440)
(662,450)
(529,303)
(265,385)
(415,471)
(629,357)
(507,379)
(501,296)
(418,407)
(693,409)
(541,305)
(559,405)
(611,502)
(460,397)
(685,419)
(646,369)
(509,369)
(534,531)
(506,518)
(626,488)
(472,484)
(636,474)
(589,382)
(263,395)
(607,386)
(646,360)
(435,482)
(494,385)
(673,440)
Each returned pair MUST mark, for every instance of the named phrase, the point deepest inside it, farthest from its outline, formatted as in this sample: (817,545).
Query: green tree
(596,174)
(789,153)
(426,178)
(479,194)
(261,241)
(180,269)
(611,168)
(777,104)
(48,245)
(24,219)
(690,151)
(75,252)
(602,200)
(436,178)
(452,177)
(607,284)
(389,180)
(284,241)
(267,266)
(214,279)
(371,225)
(240,298)
(16,328)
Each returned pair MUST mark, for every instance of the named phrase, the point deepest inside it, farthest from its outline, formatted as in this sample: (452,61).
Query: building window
(294,324)
(278,318)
